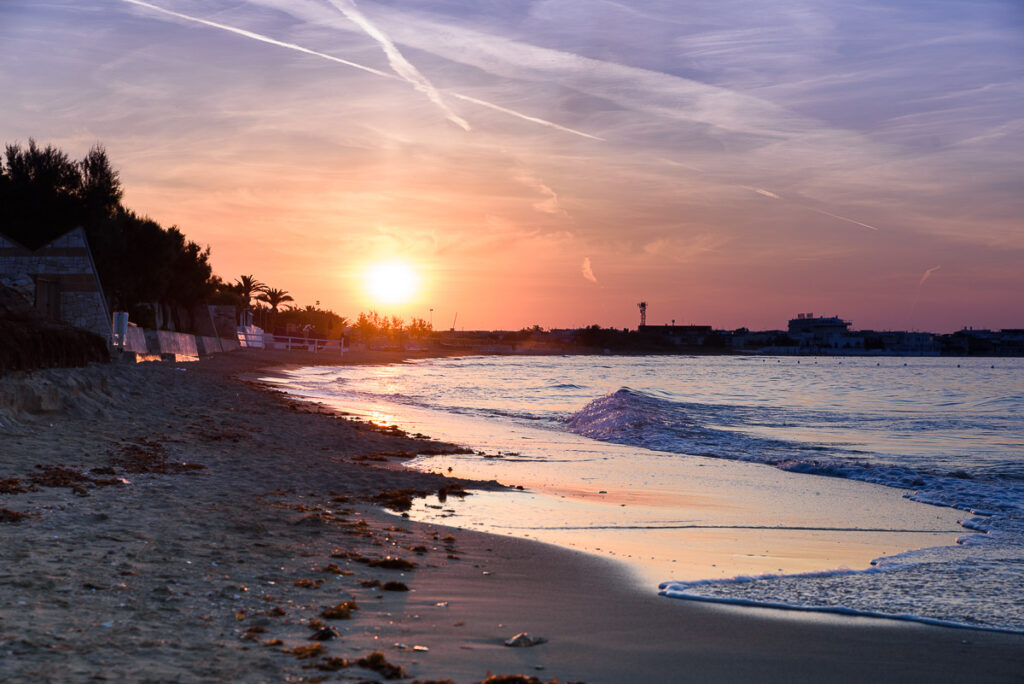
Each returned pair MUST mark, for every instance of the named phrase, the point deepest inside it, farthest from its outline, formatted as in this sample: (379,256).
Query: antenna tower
(643,313)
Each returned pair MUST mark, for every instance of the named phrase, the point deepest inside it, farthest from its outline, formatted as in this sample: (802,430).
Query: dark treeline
(153,273)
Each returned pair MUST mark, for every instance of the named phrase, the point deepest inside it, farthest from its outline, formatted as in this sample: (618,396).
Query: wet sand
(213,571)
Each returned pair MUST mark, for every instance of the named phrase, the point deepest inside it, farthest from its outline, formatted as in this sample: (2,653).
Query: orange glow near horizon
(391,282)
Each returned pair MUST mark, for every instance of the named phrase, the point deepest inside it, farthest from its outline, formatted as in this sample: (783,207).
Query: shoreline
(163,560)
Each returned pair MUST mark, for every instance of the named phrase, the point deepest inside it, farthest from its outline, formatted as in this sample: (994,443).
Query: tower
(643,313)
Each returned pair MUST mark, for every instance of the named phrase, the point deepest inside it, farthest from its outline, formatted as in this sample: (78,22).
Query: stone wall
(59,279)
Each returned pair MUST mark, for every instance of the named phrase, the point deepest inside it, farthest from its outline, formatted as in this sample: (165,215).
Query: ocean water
(748,480)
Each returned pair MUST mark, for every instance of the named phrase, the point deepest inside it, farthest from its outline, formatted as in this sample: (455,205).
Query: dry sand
(182,573)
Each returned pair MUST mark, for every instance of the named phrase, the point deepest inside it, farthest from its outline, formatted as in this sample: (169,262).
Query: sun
(391,282)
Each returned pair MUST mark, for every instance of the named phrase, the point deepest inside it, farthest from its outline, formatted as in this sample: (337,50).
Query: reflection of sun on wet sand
(131,565)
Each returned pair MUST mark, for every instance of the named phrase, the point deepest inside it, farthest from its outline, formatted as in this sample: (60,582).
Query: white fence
(305,344)
(254,337)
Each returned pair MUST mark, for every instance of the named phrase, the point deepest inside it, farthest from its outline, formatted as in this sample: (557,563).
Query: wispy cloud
(927,274)
(376,72)
(397,60)
(550,204)
(588,271)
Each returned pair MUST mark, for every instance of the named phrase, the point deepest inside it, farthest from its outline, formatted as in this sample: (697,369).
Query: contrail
(841,218)
(398,62)
(354,65)
(526,117)
(261,38)
(772,195)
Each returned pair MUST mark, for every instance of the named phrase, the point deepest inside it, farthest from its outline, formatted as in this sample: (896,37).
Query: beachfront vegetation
(154,273)
(373,327)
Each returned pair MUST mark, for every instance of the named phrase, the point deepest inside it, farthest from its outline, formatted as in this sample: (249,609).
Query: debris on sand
(379,664)
(59,476)
(325,634)
(9,516)
(333,664)
(303,652)
(398,499)
(391,563)
(524,640)
(12,485)
(394,586)
(342,611)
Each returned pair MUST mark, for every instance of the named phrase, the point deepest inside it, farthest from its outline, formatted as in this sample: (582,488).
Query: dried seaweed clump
(9,516)
(379,664)
(342,611)
(392,563)
(394,586)
(303,652)
(150,457)
(398,499)
(12,485)
(59,476)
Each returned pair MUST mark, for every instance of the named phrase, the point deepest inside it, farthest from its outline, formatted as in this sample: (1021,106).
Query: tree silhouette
(275,297)
(247,286)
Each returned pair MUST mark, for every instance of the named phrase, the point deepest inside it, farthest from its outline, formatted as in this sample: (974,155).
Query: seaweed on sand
(342,611)
(303,652)
(392,563)
(12,485)
(379,664)
(9,516)
(398,499)
(59,476)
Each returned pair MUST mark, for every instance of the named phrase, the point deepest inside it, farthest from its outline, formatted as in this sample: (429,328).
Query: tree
(40,196)
(418,328)
(274,297)
(100,190)
(248,286)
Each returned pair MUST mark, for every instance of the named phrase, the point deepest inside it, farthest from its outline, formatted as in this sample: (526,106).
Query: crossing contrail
(376,72)
(397,60)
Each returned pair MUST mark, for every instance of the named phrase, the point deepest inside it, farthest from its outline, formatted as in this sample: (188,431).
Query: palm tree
(275,297)
(247,286)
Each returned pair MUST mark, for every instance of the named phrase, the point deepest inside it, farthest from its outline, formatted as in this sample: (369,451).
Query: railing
(305,344)
(251,336)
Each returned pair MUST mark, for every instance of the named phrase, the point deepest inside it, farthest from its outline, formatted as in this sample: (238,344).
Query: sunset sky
(557,161)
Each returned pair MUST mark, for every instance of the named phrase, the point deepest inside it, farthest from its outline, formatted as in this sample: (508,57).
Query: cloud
(398,62)
(588,271)
(355,65)
(927,274)
(550,204)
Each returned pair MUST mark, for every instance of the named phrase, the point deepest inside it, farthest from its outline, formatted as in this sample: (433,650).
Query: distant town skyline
(555,162)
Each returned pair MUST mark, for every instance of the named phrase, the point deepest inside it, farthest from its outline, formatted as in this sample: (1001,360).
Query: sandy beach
(176,522)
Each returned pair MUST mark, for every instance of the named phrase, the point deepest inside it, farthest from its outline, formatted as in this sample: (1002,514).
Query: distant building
(682,335)
(59,279)
(823,334)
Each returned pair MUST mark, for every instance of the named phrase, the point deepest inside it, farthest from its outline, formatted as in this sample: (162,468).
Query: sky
(555,162)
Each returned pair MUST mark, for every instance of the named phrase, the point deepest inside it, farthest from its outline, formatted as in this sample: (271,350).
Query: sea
(877,486)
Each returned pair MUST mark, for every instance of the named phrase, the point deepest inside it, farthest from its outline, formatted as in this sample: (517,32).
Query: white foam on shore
(930,431)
